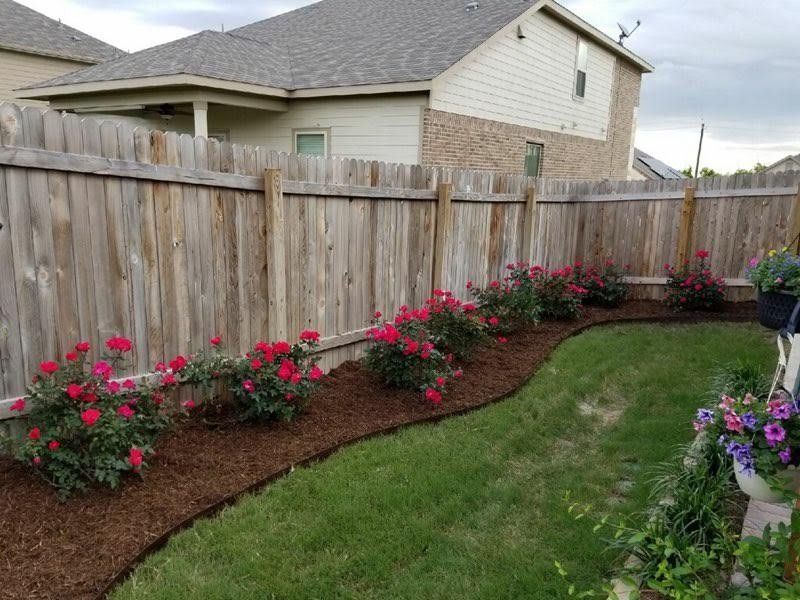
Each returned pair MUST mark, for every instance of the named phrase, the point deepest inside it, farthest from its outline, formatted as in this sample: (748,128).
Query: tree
(757,168)
(688,172)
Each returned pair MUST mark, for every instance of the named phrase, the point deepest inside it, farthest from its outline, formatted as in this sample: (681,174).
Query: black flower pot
(775,308)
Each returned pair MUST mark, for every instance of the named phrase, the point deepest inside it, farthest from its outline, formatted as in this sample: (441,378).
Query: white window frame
(585,69)
(326,133)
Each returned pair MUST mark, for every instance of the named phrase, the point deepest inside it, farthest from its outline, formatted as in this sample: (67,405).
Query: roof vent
(472,6)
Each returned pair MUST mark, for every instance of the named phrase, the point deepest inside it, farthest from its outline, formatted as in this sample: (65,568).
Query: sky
(732,64)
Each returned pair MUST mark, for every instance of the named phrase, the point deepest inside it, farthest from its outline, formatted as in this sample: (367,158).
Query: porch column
(200,118)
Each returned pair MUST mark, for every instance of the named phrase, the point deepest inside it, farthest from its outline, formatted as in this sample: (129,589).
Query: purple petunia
(750,421)
(742,453)
(705,415)
(785,455)
(774,434)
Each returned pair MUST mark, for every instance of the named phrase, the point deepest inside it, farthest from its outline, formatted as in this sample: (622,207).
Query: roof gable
(25,30)
(654,168)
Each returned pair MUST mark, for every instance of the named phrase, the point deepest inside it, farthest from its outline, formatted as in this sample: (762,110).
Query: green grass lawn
(472,507)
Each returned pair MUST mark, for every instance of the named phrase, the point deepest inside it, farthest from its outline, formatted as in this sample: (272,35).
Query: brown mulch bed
(80,548)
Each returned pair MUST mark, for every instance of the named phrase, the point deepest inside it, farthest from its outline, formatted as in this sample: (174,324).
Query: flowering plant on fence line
(86,427)
(763,437)
(604,286)
(510,303)
(273,381)
(405,355)
(777,271)
(694,286)
(456,326)
(556,296)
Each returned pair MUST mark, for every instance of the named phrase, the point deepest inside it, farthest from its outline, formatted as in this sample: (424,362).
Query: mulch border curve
(214,509)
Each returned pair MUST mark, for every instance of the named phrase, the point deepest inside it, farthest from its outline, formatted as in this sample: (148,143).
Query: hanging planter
(775,308)
(757,487)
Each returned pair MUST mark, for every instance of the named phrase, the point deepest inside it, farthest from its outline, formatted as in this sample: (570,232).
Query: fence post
(277,320)
(529,223)
(794,232)
(685,227)
(444,232)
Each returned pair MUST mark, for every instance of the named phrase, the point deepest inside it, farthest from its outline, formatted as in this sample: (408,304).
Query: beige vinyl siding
(18,69)
(530,82)
(383,128)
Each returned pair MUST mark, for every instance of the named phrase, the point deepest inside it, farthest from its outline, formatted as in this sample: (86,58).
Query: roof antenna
(625,32)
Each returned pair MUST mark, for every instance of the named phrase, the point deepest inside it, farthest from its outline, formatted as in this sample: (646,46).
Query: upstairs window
(581,68)
(533,159)
(314,143)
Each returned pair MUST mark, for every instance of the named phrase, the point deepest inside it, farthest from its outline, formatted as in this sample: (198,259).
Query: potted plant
(776,278)
(763,439)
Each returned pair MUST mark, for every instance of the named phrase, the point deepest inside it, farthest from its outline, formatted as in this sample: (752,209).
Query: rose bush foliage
(693,286)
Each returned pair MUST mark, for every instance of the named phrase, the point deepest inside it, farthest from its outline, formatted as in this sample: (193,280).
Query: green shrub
(555,295)
(509,304)
(693,286)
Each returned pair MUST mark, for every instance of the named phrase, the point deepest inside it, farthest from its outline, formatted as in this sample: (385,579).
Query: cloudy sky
(730,63)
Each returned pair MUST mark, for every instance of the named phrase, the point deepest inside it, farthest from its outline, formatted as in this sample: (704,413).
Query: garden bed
(79,548)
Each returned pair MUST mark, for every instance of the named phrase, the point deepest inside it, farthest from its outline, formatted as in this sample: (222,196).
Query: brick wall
(453,140)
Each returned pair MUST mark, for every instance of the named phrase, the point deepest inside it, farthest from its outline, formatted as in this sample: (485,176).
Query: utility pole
(699,149)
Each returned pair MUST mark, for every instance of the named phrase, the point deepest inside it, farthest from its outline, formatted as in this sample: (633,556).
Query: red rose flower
(36,461)
(215,341)
(71,356)
(256,364)
(502,340)
(119,344)
(19,405)
(177,363)
(315,374)
(54,445)
(309,336)
(189,405)
(49,367)
(82,347)
(125,411)
(74,391)
(433,395)
(702,254)
(135,457)
(248,386)
(129,384)
(297,377)
(281,347)
(90,416)
(34,434)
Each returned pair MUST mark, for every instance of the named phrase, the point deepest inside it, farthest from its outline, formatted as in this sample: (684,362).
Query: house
(34,47)
(788,163)
(509,85)
(647,167)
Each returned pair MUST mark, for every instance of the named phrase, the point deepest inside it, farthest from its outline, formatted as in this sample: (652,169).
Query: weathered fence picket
(168,240)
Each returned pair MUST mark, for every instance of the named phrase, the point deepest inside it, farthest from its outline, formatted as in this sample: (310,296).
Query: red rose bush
(693,286)
(509,304)
(85,427)
(274,381)
(457,327)
(605,286)
(404,353)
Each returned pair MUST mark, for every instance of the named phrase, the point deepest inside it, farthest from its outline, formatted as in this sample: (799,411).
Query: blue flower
(704,415)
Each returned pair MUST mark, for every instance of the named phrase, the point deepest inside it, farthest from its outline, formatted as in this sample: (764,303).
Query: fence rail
(168,239)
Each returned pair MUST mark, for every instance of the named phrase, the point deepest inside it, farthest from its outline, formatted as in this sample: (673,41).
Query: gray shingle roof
(208,53)
(653,168)
(26,30)
(328,44)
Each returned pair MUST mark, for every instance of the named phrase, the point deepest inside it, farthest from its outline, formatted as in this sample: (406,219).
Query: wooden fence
(168,239)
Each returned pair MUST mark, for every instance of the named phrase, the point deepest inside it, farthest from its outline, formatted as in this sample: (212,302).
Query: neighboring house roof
(334,43)
(25,30)
(652,168)
(794,159)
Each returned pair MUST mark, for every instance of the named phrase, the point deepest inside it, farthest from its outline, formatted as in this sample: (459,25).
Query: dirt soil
(81,548)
